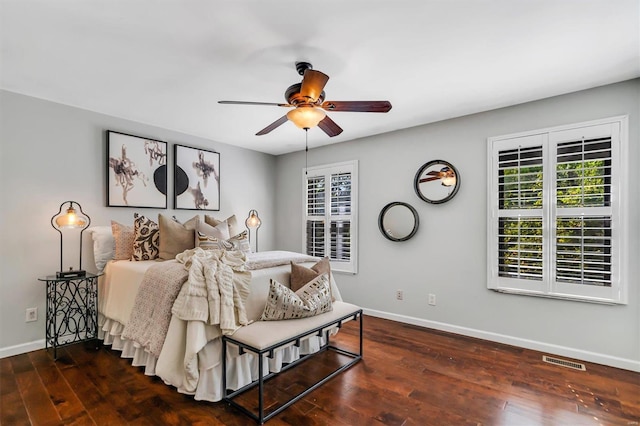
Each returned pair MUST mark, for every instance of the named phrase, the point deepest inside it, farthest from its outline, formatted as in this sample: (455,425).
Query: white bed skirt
(241,369)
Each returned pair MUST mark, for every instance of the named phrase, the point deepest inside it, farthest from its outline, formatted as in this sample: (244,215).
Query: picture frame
(196,179)
(136,171)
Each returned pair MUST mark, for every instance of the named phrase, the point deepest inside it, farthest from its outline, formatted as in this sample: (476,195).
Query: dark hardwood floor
(409,376)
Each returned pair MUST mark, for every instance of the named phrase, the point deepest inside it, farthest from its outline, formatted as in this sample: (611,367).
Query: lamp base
(71,274)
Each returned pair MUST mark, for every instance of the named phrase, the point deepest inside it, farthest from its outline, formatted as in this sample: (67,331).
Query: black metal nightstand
(72,310)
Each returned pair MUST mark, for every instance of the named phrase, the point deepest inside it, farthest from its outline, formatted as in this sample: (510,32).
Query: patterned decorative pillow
(241,242)
(312,299)
(237,242)
(123,236)
(147,238)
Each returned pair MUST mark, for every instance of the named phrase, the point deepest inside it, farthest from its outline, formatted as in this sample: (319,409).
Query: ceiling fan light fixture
(306,117)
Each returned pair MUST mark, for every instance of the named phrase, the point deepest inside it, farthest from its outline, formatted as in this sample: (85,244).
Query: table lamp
(253,222)
(70,219)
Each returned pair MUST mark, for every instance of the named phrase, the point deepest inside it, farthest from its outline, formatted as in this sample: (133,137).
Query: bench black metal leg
(260,390)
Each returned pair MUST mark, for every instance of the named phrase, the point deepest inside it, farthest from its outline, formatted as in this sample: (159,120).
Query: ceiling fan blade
(313,83)
(253,103)
(434,173)
(329,127)
(357,106)
(280,121)
(429,179)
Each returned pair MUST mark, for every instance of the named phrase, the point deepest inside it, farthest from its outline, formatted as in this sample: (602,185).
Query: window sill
(560,297)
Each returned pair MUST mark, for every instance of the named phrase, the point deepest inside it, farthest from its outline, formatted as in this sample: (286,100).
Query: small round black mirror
(398,221)
(437,182)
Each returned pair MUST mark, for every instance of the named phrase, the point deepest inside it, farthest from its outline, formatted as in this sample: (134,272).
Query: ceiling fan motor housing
(292,95)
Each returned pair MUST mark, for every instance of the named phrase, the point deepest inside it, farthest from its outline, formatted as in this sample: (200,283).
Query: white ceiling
(167,63)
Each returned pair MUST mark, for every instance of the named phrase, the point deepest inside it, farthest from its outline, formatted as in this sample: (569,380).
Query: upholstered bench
(264,337)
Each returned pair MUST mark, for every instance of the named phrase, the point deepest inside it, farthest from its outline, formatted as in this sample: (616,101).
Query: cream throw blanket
(217,288)
(212,301)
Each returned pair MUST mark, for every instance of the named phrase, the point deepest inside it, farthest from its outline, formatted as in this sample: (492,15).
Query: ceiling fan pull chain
(306,151)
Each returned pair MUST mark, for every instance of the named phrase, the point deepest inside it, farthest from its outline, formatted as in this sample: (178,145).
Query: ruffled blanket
(150,319)
(210,286)
(217,288)
(212,302)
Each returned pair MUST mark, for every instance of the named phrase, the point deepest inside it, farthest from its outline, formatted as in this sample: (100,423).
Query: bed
(190,357)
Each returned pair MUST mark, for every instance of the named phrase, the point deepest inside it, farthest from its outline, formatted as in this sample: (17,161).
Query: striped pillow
(237,242)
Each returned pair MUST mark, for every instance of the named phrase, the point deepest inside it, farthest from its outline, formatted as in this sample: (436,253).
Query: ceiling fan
(307,100)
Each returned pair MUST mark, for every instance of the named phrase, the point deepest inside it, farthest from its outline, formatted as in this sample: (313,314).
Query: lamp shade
(253,221)
(70,219)
(306,116)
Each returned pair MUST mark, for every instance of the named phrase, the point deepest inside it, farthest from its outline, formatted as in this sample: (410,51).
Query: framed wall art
(136,171)
(197,179)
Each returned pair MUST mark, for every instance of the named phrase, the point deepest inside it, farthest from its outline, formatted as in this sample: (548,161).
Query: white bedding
(202,377)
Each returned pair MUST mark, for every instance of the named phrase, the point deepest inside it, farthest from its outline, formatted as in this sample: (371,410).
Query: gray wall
(50,153)
(448,255)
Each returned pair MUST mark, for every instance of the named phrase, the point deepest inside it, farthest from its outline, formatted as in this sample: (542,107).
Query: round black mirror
(398,221)
(437,182)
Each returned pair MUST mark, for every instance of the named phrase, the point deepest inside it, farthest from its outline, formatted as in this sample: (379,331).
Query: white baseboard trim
(22,348)
(579,354)
(626,364)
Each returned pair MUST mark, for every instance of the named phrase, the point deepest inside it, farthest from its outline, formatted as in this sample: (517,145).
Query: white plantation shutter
(340,227)
(315,238)
(315,220)
(330,194)
(556,210)
(520,248)
(519,208)
(583,250)
(583,182)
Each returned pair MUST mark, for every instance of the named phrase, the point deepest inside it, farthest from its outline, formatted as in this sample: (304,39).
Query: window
(330,214)
(556,219)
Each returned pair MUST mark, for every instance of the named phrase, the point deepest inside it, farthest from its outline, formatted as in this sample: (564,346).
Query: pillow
(176,237)
(234,229)
(220,231)
(147,238)
(241,242)
(123,236)
(300,275)
(237,242)
(104,245)
(312,299)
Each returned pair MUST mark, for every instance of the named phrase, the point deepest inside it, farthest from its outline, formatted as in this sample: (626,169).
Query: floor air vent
(564,363)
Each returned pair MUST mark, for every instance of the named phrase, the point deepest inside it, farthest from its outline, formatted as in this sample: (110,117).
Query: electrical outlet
(399,295)
(432,299)
(31,315)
